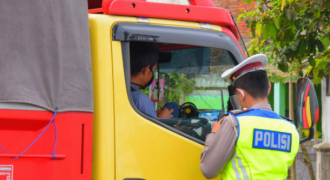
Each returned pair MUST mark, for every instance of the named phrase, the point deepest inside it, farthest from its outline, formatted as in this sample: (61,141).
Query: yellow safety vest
(266,146)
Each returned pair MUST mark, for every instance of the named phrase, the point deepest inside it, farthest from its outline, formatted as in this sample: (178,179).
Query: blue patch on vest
(272,140)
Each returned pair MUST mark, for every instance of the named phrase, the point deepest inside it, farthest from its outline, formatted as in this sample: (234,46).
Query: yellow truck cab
(196,43)
(66,107)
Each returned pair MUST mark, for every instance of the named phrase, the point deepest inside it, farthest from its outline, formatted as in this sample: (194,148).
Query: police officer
(254,142)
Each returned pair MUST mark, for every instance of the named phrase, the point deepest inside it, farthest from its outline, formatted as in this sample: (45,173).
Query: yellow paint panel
(216,28)
(308,111)
(103,166)
(126,145)
(185,24)
(175,23)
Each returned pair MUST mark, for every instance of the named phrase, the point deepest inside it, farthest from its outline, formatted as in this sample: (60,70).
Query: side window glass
(188,80)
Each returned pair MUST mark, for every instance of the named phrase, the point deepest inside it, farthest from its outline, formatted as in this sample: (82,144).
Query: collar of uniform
(265,106)
(134,87)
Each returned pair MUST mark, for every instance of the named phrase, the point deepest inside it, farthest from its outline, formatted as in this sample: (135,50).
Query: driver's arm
(219,148)
(144,104)
(165,113)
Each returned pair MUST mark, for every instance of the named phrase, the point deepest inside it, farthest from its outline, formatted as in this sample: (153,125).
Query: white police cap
(253,63)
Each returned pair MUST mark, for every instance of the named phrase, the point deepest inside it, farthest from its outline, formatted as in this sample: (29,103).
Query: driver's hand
(164,113)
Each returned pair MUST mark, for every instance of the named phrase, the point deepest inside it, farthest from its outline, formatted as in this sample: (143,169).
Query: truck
(66,110)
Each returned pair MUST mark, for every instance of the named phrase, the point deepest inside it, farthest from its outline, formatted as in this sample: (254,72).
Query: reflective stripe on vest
(266,147)
(240,166)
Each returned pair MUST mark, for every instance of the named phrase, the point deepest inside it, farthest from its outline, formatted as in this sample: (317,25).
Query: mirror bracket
(310,136)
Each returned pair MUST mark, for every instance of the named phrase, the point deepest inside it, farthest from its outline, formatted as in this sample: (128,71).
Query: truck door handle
(134,179)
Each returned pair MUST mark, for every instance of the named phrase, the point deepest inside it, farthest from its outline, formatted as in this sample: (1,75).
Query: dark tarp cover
(45,54)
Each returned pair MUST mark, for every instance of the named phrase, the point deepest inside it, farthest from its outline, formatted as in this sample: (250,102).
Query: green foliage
(295,39)
(175,86)
(181,84)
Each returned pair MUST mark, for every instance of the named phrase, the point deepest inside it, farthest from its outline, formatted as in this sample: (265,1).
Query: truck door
(158,149)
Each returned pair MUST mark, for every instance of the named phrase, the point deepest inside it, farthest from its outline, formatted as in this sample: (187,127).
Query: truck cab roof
(203,11)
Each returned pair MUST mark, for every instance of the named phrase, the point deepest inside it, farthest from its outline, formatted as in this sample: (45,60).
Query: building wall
(235,7)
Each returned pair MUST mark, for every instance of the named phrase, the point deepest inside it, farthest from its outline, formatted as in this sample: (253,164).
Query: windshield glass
(195,75)
(191,77)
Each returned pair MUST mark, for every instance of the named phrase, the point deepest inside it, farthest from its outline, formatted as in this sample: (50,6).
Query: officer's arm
(219,148)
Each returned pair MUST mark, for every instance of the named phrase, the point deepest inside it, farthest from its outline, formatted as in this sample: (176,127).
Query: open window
(189,72)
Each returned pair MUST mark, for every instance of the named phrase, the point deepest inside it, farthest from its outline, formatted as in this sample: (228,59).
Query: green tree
(296,39)
(176,85)
(295,36)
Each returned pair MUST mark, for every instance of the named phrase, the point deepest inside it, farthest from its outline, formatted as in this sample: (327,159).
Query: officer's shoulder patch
(286,118)
(239,111)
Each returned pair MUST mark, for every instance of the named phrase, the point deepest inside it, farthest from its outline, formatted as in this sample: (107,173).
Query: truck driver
(144,58)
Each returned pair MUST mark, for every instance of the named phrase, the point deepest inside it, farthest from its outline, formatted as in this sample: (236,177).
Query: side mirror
(307,106)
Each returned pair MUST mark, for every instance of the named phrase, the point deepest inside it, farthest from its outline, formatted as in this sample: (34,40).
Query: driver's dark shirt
(142,102)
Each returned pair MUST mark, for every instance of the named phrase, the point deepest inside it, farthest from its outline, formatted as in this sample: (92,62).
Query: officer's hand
(165,113)
(216,126)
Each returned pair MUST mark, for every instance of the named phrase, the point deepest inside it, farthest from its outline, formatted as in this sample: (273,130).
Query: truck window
(188,73)
(190,76)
